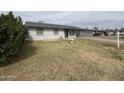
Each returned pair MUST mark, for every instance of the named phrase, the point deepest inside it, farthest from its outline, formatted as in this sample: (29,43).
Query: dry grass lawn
(60,60)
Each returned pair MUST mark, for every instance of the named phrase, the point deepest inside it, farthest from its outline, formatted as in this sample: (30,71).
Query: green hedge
(12,36)
(121,37)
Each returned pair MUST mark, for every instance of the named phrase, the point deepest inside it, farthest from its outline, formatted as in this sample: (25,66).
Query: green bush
(12,35)
(122,37)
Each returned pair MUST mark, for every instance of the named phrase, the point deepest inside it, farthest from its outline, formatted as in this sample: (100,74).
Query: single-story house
(42,31)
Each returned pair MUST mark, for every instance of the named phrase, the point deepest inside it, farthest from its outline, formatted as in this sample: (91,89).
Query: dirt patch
(60,60)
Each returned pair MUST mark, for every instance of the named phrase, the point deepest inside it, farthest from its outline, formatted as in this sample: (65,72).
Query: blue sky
(83,19)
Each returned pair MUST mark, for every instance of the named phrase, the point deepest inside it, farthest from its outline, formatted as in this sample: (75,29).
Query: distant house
(42,31)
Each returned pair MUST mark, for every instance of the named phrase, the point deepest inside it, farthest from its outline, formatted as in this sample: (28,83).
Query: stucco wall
(47,34)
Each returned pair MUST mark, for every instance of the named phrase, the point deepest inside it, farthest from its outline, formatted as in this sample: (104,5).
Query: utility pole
(118,43)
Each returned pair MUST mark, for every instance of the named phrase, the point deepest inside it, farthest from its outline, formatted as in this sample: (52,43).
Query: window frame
(72,33)
(56,32)
(39,32)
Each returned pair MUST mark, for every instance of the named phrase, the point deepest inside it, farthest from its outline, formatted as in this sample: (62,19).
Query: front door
(66,33)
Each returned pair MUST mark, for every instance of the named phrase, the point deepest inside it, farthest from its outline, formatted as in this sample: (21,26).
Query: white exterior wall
(72,36)
(47,34)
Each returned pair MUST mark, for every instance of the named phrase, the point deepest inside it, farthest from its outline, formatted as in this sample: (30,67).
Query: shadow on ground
(27,50)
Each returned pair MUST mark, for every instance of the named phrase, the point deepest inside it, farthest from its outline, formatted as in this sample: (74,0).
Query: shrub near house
(12,35)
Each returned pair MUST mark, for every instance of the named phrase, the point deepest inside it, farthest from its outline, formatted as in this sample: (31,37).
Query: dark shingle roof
(46,25)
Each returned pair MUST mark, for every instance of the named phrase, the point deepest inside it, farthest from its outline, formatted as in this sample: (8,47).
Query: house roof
(47,25)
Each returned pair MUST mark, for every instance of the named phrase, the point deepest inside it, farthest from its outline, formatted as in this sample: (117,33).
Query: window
(56,32)
(71,33)
(39,32)
(32,29)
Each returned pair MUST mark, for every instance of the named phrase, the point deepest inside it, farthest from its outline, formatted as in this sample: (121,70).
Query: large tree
(95,28)
(12,35)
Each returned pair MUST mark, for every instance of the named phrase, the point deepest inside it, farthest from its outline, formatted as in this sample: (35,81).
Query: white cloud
(82,18)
